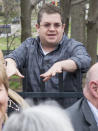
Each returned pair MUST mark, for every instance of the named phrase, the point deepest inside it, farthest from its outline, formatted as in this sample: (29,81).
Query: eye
(46,25)
(57,25)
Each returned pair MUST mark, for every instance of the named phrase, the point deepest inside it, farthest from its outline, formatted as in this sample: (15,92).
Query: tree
(26,9)
(43,1)
(65,9)
(11,10)
(78,20)
(92,29)
(25,19)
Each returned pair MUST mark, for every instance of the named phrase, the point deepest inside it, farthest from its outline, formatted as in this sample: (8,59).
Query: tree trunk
(65,9)
(92,29)
(26,9)
(25,19)
(78,21)
(43,1)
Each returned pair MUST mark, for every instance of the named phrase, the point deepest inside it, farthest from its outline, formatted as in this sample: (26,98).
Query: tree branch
(34,3)
(74,2)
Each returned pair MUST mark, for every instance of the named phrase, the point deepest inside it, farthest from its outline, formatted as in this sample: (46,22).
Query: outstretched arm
(65,65)
(11,68)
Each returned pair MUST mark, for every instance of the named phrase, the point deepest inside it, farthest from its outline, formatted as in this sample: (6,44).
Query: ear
(94,88)
(63,26)
(37,27)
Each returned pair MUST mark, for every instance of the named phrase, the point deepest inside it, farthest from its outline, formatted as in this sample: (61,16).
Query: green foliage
(33,29)
(1,20)
(12,9)
(15,83)
(1,13)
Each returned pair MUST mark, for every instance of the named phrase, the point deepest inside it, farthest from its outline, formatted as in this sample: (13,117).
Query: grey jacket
(30,57)
(81,116)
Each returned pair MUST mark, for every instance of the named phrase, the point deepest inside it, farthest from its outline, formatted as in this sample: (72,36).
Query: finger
(46,79)
(60,71)
(19,74)
(42,75)
(46,74)
(54,73)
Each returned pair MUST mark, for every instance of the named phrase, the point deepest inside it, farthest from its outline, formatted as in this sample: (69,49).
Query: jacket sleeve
(79,55)
(20,53)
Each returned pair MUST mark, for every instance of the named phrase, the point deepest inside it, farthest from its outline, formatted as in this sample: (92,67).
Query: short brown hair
(3,76)
(49,9)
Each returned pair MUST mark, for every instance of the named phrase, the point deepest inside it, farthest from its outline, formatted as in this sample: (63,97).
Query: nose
(52,27)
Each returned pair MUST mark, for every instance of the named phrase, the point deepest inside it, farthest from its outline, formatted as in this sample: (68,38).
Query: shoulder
(76,113)
(30,39)
(71,44)
(30,42)
(75,108)
(70,40)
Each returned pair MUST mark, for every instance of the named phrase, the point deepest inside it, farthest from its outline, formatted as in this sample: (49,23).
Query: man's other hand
(56,68)
(11,68)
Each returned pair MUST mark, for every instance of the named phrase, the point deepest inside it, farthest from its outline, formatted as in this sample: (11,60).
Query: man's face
(50,29)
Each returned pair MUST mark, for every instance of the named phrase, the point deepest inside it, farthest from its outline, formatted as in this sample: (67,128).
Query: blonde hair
(3,75)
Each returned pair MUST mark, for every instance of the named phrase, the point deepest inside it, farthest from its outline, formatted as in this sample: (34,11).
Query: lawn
(15,44)
(15,83)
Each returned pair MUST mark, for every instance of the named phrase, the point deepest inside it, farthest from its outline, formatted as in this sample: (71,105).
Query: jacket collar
(89,116)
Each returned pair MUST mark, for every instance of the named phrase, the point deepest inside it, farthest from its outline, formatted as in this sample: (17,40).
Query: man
(52,52)
(84,113)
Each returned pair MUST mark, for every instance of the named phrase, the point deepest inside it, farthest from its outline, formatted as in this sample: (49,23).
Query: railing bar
(51,94)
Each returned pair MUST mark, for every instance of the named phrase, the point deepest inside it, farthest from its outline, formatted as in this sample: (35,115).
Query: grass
(3,43)
(1,20)
(15,83)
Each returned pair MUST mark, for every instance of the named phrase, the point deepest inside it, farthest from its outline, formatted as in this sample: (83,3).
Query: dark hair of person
(49,9)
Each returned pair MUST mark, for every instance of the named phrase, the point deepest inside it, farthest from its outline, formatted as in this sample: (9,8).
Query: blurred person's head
(90,90)
(3,92)
(50,25)
(43,117)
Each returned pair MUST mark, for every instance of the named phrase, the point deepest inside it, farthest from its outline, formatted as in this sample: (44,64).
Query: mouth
(51,34)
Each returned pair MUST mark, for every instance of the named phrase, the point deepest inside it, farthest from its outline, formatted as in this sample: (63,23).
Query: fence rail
(51,94)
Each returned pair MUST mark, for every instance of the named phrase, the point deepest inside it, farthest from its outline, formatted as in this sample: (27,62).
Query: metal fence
(51,94)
